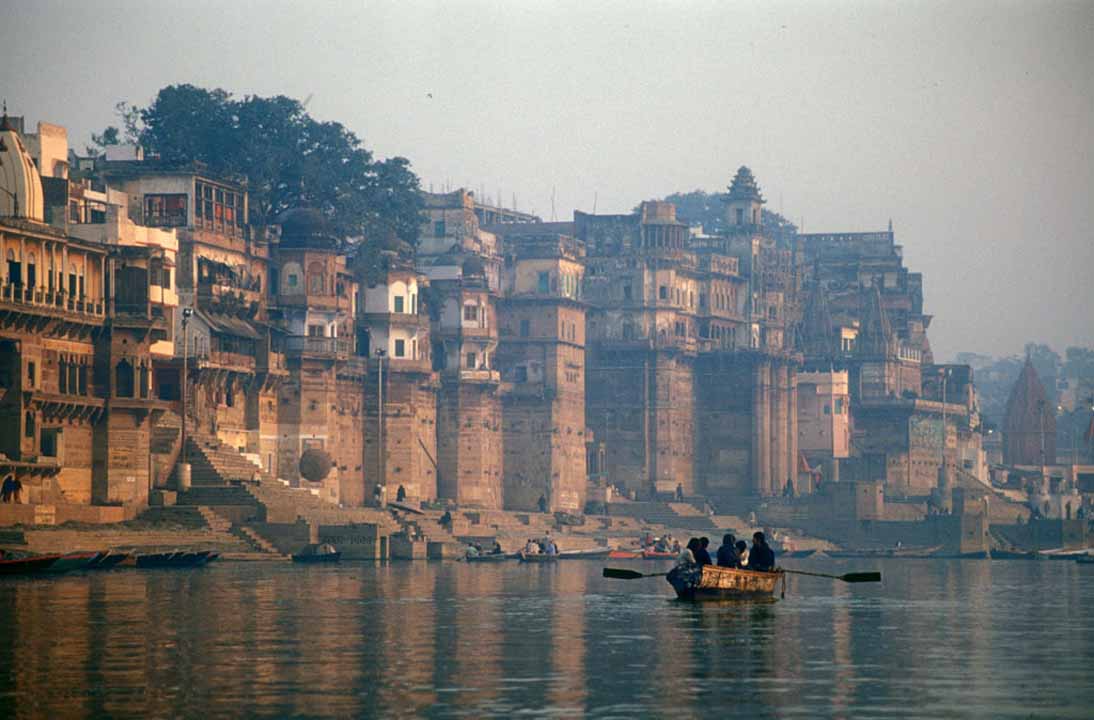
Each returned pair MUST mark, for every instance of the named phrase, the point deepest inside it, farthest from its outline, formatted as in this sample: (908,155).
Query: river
(960,638)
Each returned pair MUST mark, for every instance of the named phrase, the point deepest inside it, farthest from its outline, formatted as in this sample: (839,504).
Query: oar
(619,574)
(859,577)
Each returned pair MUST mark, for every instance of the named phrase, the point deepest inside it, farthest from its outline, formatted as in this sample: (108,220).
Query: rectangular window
(839,406)
(163,210)
(663,292)
(316,331)
(525,328)
(470,361)
(521,374)
(740,216)
(400,348)
(47,442)
(471,312)
(439,229)
(543,283)
(30,374)
(626,292)
(291,280)
(398,303)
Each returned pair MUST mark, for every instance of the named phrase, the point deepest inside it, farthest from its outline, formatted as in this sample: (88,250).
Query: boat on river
(27,565)
(900,552)
(798,553)
(492,557)
(325,553)
(710,582)
(74,561)
(538,557)
(591,554)
(1085,559)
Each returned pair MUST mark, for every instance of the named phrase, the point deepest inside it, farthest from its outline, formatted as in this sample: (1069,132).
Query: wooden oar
(859,577)
(619,574)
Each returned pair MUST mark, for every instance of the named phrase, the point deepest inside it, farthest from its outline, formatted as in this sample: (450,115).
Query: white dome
(20,184)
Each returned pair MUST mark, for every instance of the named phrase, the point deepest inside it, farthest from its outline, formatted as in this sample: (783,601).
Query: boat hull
(27,566)
(717,583)
(318,558)
(538,558)
(492,557)
(585,554)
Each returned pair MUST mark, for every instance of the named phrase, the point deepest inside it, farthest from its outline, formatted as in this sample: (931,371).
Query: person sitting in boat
(742,553)
(686,559)
(676,546)
(727,554)
(662,544)
(762,557)
(473,551)
(550,548)
(496,550)
(532,547)
(702,556)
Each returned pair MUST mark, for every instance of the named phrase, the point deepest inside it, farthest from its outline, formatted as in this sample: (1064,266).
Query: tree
(288,158)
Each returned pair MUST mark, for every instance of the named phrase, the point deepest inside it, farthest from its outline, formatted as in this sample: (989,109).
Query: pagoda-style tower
(1029,429)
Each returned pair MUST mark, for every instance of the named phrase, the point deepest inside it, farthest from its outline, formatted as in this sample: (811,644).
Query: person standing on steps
(543,503)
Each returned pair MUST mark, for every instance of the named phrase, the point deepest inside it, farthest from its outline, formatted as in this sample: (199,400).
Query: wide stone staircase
(677,516)
(214,463)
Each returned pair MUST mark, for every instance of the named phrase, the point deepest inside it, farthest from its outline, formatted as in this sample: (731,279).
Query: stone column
(762,410)
(757,436)
(792,424)
(780,426)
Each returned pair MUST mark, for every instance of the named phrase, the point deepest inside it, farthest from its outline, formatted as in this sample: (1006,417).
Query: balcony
(225,360)
(51,302)
(317,347)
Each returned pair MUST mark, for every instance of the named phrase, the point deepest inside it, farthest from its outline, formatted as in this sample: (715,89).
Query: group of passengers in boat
(664,544)
(545,545)
(732,554)
(476,550)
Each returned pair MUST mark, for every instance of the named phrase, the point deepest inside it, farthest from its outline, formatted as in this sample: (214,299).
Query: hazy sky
(969,124)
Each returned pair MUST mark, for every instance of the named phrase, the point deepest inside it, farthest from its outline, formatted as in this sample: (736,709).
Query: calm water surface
(937,639)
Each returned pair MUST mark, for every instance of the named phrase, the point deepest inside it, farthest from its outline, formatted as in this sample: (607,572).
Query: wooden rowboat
(592,554)
(624,555)
(711,582)
(491,557)
(74,561)
(27,565)
(538,557)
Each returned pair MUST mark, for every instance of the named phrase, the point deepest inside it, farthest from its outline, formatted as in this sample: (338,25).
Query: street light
(184,466)
(380,353)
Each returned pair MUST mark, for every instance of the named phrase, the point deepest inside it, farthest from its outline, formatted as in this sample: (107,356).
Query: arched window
(316,279)
(123,382)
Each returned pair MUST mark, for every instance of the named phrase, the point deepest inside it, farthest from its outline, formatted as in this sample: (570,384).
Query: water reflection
(447,640)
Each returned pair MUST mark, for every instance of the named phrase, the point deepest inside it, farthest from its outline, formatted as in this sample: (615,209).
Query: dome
(19,180)
(307,228)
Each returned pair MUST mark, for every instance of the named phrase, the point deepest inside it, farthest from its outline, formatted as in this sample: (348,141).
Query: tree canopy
(709,210)
(289,159)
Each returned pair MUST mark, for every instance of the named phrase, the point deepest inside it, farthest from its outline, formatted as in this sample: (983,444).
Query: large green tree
(289,159)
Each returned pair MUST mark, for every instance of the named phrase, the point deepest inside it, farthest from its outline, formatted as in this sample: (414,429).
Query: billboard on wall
(925,433)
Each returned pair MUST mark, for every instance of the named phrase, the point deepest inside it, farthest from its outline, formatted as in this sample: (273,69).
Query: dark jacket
(727,557)
(702,557)
(761,558)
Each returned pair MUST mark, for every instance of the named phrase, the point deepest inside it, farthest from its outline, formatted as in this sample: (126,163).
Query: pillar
(761,420)
(792,423)
(779,426)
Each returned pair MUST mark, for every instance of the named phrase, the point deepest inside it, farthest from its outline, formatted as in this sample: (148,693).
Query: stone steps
(213,520)
(255,540)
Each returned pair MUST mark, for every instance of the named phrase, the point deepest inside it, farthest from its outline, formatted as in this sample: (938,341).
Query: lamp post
(380,469)
(942,467)
(184,465)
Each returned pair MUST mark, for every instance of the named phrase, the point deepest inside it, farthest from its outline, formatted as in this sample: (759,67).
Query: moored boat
(624,555)
(1085,559)
(659,555)
(492,557)
(27,565)
(107,560)
(592,554)
(74,561)
(710,582)
(799,553)
(325,553)
(538,557)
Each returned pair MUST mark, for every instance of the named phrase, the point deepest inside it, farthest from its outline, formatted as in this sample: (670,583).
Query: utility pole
(380,469)
(184,465)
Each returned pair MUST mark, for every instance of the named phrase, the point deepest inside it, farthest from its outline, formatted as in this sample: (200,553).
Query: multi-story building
(542,356)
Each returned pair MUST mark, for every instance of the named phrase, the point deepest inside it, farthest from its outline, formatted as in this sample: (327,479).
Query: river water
(961,638)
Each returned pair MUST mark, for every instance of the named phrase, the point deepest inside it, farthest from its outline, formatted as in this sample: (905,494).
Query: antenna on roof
(594,202)
(553,203)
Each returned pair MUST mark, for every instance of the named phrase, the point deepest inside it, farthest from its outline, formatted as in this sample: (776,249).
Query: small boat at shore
(107,560)
(177,559)
(324,553)
(74,561)
(710,582)
(592,554)
(538,557)
(27,565)
(798,553)
(1085,559)
(491,557)
(901,552)
(1015,555)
